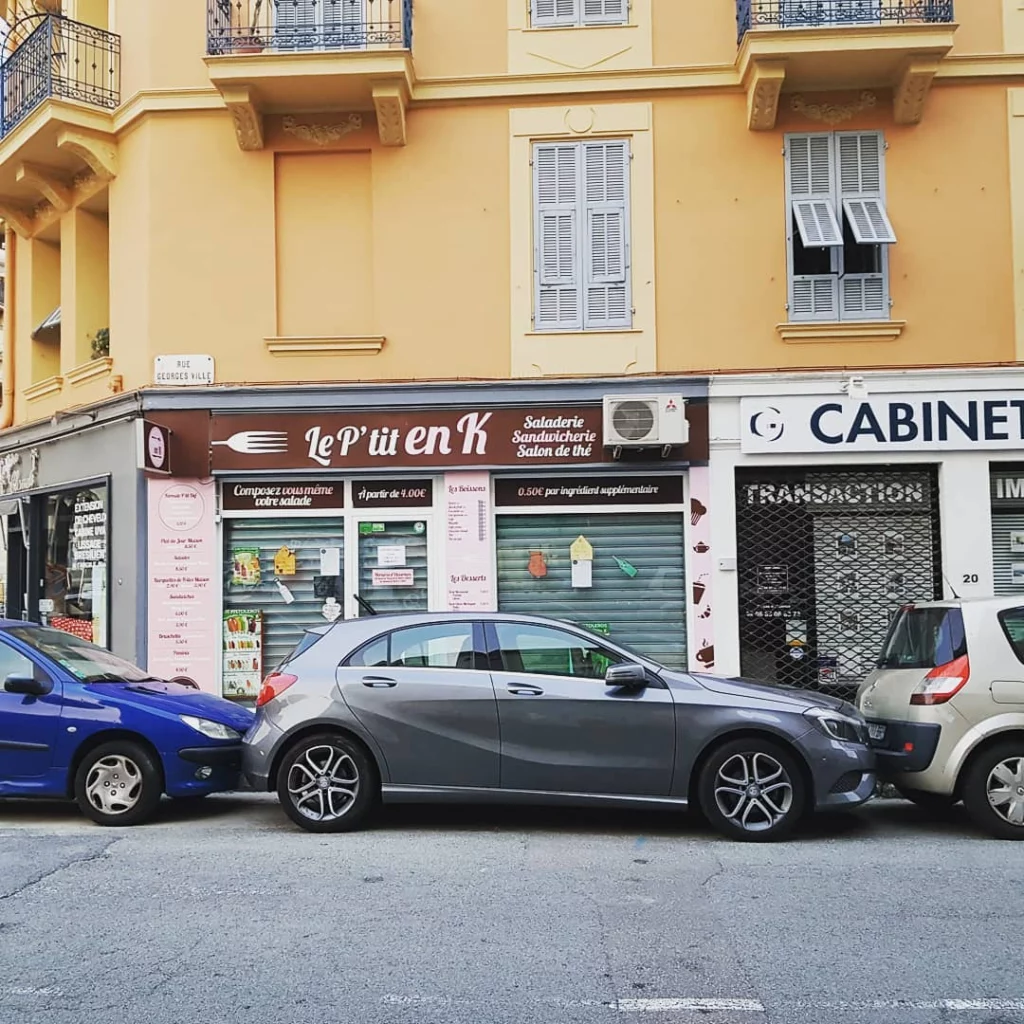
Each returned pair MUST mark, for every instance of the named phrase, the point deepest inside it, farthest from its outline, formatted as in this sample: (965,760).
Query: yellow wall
(424,251)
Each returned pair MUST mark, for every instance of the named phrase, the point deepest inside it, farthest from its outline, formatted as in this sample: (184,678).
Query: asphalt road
(224,913)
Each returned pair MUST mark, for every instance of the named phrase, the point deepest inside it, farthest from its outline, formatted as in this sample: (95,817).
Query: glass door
(393,566)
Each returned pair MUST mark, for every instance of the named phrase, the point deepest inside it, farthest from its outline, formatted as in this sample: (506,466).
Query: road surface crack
(70,862)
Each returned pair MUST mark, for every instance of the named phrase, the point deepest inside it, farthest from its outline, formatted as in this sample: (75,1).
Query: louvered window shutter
(810,200)
(546,13)
(296,15)
(605,12)
(557,270)
(606,238)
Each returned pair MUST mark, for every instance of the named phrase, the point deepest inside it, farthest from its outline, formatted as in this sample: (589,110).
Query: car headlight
(214,730)
(837,726)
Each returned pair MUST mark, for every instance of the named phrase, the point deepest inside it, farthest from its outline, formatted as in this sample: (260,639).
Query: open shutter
(605,12)
(860,187)
(810,202)
(606,238)
(546,13)
(556,178)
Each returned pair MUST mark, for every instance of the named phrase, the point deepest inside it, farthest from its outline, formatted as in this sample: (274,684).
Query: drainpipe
(7,394)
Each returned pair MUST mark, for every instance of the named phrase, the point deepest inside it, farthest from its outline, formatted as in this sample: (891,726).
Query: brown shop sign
(500,437)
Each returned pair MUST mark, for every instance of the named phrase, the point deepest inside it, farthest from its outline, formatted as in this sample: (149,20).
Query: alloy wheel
(754,791)
(323,783)
(1005,790)
(114,784)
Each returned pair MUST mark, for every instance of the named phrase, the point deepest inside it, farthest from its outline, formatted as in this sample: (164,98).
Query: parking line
(687,1005)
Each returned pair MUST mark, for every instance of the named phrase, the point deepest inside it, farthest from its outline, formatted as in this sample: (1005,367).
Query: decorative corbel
(49,185)
(245,113)
(19,219)
(389,103)
(764,86)
(912,91)
(99,153)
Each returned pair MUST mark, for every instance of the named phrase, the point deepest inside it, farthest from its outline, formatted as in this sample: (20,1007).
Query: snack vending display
(243,654)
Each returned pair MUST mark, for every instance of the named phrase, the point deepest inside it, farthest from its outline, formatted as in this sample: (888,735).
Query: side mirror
(629,675)
(27,685)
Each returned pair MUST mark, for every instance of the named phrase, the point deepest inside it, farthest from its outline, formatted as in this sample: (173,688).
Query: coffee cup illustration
(699,587)
(706,655)
(697,511)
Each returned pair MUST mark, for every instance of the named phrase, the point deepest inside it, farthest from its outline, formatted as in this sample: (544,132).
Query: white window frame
(831,211)
(584,278)
(573,14)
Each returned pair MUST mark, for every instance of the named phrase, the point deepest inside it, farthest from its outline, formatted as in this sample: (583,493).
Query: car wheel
(994,790)
(119,783)
(934,803)
(752,790)
(327,783)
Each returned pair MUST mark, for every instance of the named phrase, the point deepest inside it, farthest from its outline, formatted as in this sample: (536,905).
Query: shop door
(393,566)
(825,560)
(16,577)
(282,576)
(637,588)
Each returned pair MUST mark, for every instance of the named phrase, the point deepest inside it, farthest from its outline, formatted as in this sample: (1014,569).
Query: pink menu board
(184,617)
(468,541)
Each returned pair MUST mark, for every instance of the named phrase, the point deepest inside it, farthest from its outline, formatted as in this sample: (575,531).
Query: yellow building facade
(319,207)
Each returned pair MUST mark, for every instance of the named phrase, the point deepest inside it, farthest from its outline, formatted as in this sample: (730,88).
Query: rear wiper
(365,605)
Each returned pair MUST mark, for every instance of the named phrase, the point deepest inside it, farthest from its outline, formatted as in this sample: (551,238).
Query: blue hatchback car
(77,722)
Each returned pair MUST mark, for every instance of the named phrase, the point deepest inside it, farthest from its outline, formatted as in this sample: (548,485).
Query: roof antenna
(956,596)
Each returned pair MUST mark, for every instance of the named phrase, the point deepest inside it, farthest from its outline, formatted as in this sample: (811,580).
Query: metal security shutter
(283,624)
(1007,530)
(824,560)
(642,601)
(412,536)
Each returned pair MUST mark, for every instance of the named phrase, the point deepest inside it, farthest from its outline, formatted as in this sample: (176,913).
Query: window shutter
(864,296)
(810,185)
(554,12)
(814,298)
(606,239)
(605,12)
(860,187)
(816,221)
(556,177)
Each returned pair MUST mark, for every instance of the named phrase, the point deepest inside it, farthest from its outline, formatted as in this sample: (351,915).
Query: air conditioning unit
(645,421)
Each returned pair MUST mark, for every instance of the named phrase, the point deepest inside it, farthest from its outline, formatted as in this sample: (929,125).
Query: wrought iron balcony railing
(289,26)
(753,14)
(56,58)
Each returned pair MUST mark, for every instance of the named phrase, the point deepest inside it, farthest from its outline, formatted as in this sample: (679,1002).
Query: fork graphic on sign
(256,442)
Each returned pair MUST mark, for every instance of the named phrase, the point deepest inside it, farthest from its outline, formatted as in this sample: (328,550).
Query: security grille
(1008,529)
(825,559)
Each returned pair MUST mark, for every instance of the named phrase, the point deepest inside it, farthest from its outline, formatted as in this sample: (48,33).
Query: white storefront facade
(837,497)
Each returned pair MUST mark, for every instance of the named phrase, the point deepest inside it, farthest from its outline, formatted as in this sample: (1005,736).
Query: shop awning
(49,328)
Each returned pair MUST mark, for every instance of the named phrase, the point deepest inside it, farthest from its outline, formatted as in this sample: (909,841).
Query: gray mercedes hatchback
(507,708)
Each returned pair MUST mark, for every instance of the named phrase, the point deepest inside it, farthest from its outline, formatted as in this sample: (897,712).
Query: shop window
(393,573)
(838,231)
(569,13)
(636,589)
(74,593)
(448,645)
(540,650)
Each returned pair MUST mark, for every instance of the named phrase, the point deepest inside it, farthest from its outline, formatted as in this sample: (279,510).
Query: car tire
(328,783)
(729,802)
(994,790)
(933,803)
(119,784)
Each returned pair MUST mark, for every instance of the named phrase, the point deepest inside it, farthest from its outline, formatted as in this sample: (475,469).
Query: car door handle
(378,682)
(525,691)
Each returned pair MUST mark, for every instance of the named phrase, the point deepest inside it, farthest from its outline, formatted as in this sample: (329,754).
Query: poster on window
(243,654)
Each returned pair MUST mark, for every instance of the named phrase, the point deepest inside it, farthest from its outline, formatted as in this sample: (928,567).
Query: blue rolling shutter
(646,611)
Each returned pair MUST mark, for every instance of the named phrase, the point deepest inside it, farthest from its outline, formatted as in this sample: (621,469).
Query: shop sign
(468,542)
(963,421)
(89,532)
(392,493)
(154,448)
(182,371)
(589,490)
(19,471)
(278,496)
(823,492)
(1008,490)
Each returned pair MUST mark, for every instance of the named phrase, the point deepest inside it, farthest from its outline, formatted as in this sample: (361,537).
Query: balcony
(792,46)
(309,56)
(60,81)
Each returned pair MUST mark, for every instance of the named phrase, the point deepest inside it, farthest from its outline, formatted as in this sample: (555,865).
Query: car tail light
(273,686)
(943,682)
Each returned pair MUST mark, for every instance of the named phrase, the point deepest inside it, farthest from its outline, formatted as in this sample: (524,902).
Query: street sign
(182,371)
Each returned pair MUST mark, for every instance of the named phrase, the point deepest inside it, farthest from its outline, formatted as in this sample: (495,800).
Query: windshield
(924,638)
(85,661)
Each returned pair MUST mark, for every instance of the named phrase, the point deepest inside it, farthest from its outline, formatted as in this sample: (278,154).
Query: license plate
(876,732)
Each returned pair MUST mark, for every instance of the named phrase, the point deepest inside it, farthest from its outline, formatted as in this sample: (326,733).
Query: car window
(542,650)
(1012,621)
(924,638)
(443,645)
(372,655)
(14,663)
